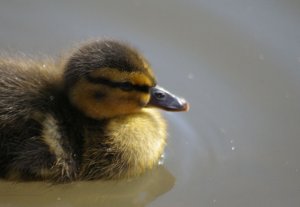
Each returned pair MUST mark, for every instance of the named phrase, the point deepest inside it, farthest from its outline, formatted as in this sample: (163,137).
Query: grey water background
(238,64)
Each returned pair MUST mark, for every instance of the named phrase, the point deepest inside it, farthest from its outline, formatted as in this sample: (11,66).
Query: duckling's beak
(163,99)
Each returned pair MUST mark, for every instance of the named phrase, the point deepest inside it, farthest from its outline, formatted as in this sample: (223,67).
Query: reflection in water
(136,192)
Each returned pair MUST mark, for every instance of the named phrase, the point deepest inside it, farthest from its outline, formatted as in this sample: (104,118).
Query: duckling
(92,116)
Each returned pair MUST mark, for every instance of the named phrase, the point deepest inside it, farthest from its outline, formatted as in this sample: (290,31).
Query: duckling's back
(27,89)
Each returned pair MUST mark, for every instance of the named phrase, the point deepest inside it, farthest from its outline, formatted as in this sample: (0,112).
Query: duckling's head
(107,78)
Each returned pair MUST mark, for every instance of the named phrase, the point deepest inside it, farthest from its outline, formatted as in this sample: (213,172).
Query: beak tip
(186,107)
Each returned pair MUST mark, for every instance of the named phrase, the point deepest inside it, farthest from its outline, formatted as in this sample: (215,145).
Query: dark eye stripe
(113,84)
(142,88)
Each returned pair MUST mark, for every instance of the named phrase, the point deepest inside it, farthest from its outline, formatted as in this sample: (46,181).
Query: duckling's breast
(129,146)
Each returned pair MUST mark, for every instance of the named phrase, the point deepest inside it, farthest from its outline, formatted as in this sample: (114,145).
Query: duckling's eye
(159,95)
(126,86)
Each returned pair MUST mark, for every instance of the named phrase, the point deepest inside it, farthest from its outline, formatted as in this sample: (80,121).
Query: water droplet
(58,198)
(233,148)
(44,65)
(231,141)
(51,98)
(190,76)
(161,160)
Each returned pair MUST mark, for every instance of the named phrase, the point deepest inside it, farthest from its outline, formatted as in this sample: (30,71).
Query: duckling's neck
(126,146)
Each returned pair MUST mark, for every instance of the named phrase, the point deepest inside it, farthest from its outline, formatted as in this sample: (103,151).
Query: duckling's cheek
(100,101)
(134,100)
(86,97)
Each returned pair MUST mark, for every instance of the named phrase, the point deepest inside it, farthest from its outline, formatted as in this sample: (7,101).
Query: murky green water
(237,62)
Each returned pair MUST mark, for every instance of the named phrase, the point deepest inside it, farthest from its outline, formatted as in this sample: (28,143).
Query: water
(237,62)
(136,192)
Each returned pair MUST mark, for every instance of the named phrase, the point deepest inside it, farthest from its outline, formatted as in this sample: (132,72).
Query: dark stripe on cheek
(125,86)
(99,95)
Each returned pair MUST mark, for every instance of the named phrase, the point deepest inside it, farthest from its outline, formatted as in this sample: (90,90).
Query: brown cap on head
(97,55)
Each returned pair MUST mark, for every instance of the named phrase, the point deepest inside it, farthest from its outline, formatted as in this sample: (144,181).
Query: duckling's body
(32,106)
(54,124)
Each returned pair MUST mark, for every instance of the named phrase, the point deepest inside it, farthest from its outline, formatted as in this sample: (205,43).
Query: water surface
(236,61)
